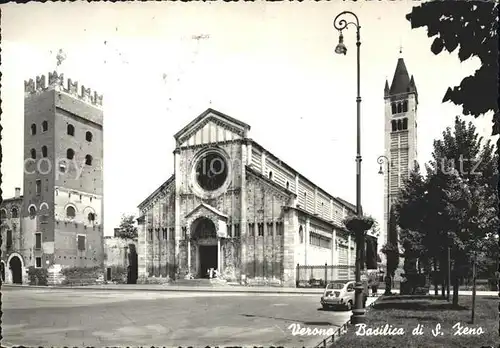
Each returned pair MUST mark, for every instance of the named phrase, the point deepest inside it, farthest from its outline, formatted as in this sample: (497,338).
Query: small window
(394,125)
(71,130)
(287,185)
(91,217)
(301,235)
(3,214)
(33,129)
(260,228)
(400,125)
(70,154)
(45,126)
(81,243)
(88,160)
(9,239)
(70,212)
(88,136)
(33,153)
(15,213)
(38,262)
(38,241)
(251,229)
(32,211)
(405,123)
(44,151)
(229,231)
(165,234)
(270,175)
(38,187)
(405,106)
(393,105)
(269,228)
(236,230)
(400,108)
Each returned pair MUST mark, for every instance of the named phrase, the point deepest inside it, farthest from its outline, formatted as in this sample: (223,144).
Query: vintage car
(340,293)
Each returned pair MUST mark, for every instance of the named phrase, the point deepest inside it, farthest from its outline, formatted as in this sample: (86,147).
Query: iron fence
(319,275)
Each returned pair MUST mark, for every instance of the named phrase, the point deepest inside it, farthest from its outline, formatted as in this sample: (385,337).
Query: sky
(270,65)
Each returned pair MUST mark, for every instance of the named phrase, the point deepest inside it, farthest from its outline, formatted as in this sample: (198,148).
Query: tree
(473,26)
(127,229)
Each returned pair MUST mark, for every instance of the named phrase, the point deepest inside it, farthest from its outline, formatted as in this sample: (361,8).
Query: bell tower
(400,129)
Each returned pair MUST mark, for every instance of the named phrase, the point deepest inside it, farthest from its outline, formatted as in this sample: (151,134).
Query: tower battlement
(56,81)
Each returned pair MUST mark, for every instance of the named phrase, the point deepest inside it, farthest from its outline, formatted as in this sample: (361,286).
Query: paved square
(50,317)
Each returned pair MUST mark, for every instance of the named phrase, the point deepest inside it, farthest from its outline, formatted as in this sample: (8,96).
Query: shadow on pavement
(325,323)
(417,303)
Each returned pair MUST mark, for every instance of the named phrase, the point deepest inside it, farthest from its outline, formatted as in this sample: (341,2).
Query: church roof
(210,113)
(401,79)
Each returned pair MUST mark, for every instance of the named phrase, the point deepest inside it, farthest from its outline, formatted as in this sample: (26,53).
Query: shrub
(37,276)
(82,275)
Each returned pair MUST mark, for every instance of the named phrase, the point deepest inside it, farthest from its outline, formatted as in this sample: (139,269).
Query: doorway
(2,269)
(208,259)
(16,270)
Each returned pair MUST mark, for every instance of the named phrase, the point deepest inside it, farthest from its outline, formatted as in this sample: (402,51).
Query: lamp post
(381,160)
(358,313)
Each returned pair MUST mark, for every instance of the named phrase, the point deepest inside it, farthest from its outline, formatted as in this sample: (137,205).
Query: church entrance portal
(204,236)
(208,259)
(16,270)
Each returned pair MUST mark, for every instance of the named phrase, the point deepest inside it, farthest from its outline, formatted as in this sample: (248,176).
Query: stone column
(142,250)
(246,159)
(218,255)
(189,253)
(177,226)
(306,239)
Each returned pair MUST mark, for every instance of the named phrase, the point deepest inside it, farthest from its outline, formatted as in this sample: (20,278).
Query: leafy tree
(127,229)
(472,26)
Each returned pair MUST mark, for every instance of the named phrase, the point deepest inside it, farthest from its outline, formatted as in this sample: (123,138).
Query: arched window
(405,123)
(33,153)
(394,125)
(270,175)
(393,108)
(70,154)
(45,126)
(32,211)
(400,108)
(405,106)
(44,151)
(3,214)
(71,130)
(400,125)
(287,185)
(91,217)
(88,160)
(15,213)
(70,212)
(301,235)
(33,129)
(88,136)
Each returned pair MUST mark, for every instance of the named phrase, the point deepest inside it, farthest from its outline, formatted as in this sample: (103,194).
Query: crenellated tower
(400,127)
(63,174)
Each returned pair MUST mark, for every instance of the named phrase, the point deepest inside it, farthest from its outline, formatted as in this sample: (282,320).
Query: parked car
(340,293)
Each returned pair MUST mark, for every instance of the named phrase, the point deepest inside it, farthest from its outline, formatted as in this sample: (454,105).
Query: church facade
(233,206)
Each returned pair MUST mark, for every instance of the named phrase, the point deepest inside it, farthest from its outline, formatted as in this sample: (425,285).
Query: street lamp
(358,313)
(381,160)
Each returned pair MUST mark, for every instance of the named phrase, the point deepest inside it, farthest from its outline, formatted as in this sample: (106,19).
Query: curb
(330,341)
(171,289)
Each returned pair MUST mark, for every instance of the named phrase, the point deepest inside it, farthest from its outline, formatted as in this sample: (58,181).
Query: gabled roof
(208,207)
(210,113)
(164,185)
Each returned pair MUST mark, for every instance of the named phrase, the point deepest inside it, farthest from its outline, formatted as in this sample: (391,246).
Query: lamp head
(380,171)
(341,49)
